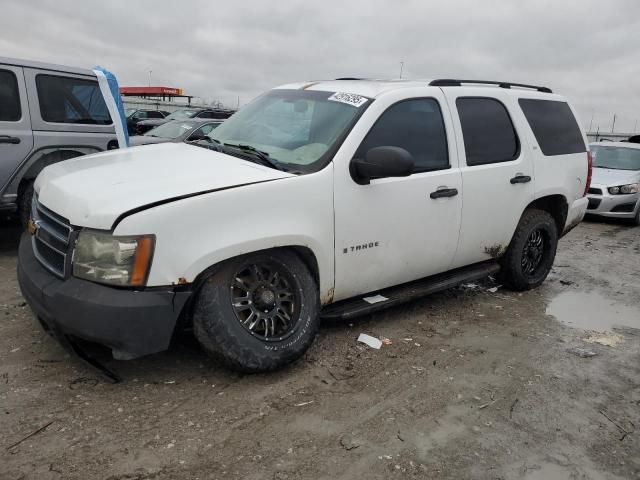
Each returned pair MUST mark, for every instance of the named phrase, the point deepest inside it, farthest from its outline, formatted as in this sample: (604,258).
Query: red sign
(151,91)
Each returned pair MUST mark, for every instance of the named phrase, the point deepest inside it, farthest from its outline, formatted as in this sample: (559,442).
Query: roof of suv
(45,66)
(374,87)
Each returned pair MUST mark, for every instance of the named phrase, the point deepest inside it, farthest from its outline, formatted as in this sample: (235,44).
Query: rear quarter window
(554,126)
(71,100)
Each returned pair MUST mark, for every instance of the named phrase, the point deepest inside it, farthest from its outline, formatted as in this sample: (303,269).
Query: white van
(303,205)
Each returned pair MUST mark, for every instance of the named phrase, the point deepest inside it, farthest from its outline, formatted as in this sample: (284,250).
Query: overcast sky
(588,50)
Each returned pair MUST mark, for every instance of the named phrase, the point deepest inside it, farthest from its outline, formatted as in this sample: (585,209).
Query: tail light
(589,172)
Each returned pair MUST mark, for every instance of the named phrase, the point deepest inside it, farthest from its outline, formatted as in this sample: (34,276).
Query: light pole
(150,77)
(401,68)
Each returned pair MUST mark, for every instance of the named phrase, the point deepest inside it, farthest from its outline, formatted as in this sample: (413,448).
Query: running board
(390,297)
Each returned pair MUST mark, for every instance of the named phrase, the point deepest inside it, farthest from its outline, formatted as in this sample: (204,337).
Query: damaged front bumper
(132,323)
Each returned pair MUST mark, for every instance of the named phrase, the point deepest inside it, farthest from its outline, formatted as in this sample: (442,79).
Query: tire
(263,342)
(636,219)
(24,203)
(531,252)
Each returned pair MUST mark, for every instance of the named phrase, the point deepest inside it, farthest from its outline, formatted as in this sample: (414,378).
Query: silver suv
(48,113)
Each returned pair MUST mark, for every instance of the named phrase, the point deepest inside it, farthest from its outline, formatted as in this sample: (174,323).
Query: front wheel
(258,312)
(531,252)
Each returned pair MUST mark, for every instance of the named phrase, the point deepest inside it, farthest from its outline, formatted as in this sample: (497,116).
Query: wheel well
(46,160)
(556,205)
(305,254)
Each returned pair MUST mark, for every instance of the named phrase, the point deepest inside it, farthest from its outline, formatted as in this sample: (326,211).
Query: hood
(138,140)
(609,177)
(94,190)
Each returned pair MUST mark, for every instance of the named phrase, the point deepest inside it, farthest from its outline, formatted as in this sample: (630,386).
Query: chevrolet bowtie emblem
(32,227)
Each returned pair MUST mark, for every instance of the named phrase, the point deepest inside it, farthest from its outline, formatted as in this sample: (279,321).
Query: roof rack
(450,82)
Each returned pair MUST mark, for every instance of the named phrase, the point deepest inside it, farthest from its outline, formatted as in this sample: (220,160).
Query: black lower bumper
(131,323)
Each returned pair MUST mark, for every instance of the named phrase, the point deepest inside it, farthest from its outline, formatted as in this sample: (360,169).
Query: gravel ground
(476,384)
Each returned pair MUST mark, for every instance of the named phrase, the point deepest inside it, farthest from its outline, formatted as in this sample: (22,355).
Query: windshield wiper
(264,157)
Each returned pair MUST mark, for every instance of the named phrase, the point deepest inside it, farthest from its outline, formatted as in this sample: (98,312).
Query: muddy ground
(475,385)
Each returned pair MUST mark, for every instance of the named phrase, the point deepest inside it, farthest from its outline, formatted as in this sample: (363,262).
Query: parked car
(48,113)
(615,190)
(176,131)
(329,199)
(135,116)
(184,114)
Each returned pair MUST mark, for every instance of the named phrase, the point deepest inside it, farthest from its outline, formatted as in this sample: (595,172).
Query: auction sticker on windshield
(348,98)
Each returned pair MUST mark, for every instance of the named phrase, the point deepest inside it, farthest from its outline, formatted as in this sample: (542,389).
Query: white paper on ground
(373,342)
(375,299)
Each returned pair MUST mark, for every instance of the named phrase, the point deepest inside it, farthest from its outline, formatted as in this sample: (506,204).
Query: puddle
(593,311)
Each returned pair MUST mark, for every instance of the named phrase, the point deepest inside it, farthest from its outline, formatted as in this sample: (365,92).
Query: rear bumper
(575,214)
(131,323)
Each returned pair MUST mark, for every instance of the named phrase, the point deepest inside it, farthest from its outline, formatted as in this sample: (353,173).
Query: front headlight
(625,189)
(114,260)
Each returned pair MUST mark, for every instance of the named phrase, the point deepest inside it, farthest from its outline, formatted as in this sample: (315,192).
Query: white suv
(321,199)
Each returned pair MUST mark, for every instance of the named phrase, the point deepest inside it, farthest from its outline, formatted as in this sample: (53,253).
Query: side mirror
(381,162)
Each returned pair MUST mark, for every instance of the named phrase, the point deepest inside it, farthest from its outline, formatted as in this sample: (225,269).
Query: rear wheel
(531,252)
(258,312)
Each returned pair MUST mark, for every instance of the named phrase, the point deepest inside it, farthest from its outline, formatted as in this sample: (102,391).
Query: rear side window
(71,100)
(153,114)
(415,125)
(489,135)
(9,97)
(554,126)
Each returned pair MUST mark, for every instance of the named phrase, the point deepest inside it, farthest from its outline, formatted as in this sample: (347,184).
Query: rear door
(16,138)
(497,171)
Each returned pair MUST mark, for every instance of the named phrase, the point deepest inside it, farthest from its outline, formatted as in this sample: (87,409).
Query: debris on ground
(375,299)
(608,340)
(493,289)
(386,341)
(581,352)
(348,442)
(303,403)
(373,342)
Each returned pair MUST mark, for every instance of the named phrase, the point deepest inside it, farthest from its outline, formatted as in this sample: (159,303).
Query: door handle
(520,179)
(8,139)
(444,192)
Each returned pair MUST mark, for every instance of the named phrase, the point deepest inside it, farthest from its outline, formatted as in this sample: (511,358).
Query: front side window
(297,128)
(616,158)
(9,97)
(489,134)
(415,125)
(71,100)
(553,125)
(154,114)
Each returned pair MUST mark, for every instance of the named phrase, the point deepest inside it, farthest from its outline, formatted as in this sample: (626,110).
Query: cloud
(587,50)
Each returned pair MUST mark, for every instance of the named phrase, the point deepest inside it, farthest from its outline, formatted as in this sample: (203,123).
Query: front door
(396,230)
(16,138)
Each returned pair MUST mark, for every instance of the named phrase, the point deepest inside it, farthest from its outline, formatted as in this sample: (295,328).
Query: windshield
(181,114)
(171,129)
(294,127)
(617,158)
(129,111)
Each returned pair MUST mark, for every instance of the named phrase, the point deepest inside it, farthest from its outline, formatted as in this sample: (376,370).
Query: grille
(595,191)
(593,203)
(51,239)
